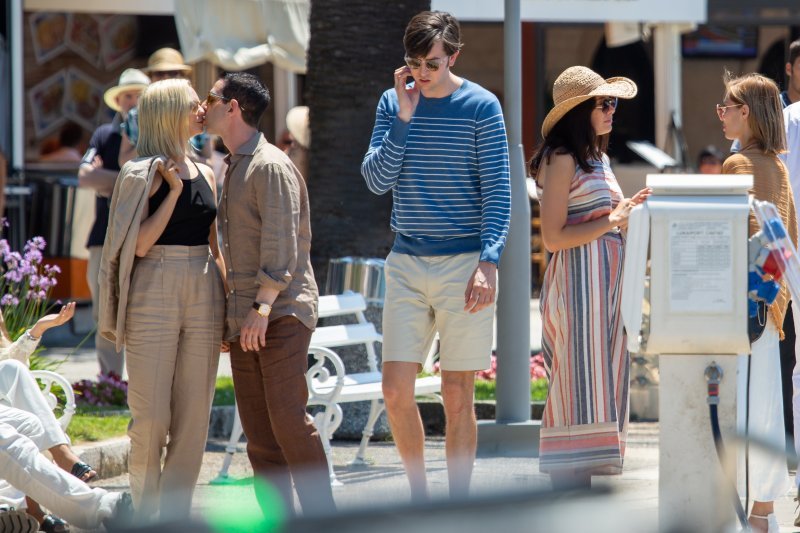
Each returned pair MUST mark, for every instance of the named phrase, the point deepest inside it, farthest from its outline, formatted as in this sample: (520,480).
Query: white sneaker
(13,521)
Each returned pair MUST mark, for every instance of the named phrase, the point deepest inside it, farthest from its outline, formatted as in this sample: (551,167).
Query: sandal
(54,524)
(83,472)
(772,522)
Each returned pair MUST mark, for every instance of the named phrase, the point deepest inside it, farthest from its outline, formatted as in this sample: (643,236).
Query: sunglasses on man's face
(214,97)
(607,104)
(431,64)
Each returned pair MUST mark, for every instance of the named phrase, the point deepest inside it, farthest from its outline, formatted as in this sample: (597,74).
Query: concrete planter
(109,458)
(432,417)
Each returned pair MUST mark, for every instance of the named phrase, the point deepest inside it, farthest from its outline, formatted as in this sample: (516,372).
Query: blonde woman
(165,305)
(751,113)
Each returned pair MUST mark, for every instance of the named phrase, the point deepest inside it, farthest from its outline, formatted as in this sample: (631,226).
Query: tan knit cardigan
(770,183)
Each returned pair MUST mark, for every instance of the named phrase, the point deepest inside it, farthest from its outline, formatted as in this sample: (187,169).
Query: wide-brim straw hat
(166,60)
(298,125)
(578,84)
(131,79)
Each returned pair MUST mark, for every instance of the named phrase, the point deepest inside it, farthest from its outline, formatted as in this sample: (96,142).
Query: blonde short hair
(163,108)
(762,96)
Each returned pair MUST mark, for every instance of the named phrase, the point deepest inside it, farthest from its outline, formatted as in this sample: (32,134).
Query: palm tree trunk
(355,47)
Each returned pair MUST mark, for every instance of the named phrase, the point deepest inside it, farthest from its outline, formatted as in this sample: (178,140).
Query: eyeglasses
(214,97)
(607,104)
(431,64)
(722,108)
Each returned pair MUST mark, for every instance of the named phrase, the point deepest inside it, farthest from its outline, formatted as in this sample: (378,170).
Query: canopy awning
(241,34)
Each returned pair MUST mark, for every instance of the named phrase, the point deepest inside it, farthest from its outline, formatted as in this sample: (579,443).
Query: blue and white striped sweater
(447,170)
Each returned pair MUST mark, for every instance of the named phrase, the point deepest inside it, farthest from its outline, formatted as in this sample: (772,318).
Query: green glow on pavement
(231,515)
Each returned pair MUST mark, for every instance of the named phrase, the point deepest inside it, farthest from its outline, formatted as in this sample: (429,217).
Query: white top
(21,349)
(791,116)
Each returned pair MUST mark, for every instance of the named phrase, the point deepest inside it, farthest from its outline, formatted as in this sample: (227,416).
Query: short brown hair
(428,27)
(762,96)
(794,52)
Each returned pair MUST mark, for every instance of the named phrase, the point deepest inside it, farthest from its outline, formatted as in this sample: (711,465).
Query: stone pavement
(635,492)
(383,484)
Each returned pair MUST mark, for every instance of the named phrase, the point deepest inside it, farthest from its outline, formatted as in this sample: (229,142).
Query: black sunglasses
(607,104)
(214,97)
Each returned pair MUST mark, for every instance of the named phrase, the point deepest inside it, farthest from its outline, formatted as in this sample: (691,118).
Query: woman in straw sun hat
(583,212)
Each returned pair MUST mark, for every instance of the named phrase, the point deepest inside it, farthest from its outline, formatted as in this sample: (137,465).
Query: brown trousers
(271,395)
(173,331)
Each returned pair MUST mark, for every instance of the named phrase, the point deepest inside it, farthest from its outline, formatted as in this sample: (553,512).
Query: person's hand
(407,99)
(170,174)
(56,319)
(619,216)
(481,287)
(253,334)
(225,347)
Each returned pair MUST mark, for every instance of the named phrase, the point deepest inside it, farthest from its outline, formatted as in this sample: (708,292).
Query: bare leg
(760,509)
(34,509)
(461,430)
(406,424)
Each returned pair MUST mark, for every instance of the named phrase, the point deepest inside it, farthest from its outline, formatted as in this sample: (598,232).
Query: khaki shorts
(425,295)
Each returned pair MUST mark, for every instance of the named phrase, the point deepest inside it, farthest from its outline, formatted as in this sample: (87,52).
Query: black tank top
(193,215)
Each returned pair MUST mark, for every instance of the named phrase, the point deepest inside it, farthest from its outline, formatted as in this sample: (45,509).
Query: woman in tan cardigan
(752,114)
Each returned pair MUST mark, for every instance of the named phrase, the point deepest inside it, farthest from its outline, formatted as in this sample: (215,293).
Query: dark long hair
(573,135)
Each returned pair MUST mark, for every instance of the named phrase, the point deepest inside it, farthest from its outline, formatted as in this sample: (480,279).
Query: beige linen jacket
(127,204)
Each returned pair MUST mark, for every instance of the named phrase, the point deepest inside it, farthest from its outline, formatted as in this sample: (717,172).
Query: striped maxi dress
(585,419)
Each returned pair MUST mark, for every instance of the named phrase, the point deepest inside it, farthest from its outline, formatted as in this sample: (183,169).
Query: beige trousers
(173,330)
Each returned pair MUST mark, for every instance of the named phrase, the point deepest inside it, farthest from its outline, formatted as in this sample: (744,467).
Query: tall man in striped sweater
(439,144)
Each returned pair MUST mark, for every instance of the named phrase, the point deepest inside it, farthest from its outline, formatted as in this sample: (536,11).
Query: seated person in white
(26,469)
(19,389)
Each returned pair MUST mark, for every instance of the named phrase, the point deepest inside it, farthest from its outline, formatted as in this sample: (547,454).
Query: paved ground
(382,483)
(634,499)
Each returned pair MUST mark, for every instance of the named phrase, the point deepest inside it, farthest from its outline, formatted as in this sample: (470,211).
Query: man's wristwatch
(262,309)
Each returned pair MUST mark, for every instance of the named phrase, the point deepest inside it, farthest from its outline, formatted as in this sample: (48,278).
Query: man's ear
(788,69)
(452,59)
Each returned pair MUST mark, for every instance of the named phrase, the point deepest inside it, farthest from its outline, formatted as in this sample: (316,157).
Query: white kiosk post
(693,314)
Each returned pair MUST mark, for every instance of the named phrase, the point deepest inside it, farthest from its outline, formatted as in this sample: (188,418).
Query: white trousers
(26,469)
(768,473)
(796,386)
(18,388)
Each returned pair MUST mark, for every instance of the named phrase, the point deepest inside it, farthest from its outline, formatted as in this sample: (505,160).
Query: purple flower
(33,256)
(52,270)
(37,296)
(37,243)
(13,259)
(5,249)
(9,300)
(26,268)
(13,275)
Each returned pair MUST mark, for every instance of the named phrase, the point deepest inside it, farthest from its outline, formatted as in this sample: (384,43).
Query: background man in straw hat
(99,171)
(167,63)
(300,138)
(440,146)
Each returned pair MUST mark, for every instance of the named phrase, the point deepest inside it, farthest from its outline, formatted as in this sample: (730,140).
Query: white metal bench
(328,383)
(47,379)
